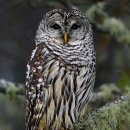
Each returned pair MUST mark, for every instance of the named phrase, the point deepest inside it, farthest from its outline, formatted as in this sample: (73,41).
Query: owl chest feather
(64,86)
(61,90)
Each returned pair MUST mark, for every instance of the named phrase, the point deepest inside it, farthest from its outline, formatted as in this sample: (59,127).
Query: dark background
(19,21)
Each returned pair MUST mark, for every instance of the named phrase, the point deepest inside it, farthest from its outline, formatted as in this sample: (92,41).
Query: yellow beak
(65,36)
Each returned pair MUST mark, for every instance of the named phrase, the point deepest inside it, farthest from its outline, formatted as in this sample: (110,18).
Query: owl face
(65,27)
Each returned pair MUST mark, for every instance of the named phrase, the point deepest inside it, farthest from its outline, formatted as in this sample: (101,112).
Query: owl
(61,71)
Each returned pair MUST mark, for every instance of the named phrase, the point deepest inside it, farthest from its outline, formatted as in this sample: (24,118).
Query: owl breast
(56,92)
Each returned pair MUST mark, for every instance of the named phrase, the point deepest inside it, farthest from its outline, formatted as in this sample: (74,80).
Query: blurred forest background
(19,20)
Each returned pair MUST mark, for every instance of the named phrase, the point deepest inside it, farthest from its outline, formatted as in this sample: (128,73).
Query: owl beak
(65,36)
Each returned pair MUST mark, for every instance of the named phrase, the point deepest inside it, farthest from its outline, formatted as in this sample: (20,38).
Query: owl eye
(56,26)
(75,26)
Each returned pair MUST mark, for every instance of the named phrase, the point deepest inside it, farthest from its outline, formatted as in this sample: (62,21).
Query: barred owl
(61,71)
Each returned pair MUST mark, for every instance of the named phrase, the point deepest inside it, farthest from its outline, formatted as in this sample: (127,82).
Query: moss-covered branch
(112,116)
(11,88)
(106,92)
(108,24)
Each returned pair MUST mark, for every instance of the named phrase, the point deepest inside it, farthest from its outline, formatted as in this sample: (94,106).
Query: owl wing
(35,88)
(83,94)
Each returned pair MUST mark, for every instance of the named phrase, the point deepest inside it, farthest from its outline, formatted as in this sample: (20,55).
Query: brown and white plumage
(61,71)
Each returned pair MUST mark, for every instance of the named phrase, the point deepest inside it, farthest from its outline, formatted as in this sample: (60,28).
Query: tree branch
(106,92)
(109,117)
(9,87)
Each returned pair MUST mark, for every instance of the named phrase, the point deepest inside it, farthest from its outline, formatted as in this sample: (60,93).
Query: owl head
(68,27)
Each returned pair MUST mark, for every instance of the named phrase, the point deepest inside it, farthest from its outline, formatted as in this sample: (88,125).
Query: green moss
(109,117)
(117,28)
(124,80)
(11,91)
(97,8)
(107,90)
(110,24)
